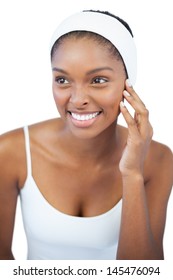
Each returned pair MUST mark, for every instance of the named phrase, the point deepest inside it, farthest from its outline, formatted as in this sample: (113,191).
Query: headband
(108,27)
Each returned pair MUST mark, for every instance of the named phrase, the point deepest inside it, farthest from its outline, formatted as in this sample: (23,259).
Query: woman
(89,188)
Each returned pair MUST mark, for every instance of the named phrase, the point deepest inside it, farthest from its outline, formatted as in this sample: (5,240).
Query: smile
(84,117)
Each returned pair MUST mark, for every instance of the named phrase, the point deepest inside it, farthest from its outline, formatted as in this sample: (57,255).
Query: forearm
(6,255)
(136,240)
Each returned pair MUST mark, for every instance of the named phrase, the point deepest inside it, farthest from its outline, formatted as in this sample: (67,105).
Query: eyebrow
(59,70)
(88,73)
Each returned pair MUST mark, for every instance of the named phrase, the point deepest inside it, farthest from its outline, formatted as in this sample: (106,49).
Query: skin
(114,162)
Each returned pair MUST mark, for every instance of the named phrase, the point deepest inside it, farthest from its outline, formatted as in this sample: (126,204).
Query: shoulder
(159,169)
(11,153)
(12,141)
(10,147)
(9,144)
(160,158)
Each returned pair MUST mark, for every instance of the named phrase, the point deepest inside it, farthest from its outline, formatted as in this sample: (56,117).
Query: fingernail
(122,104)
(126,93)
(128,83)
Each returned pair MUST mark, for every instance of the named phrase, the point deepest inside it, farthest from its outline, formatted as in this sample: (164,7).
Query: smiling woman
(89,188)
(95,91)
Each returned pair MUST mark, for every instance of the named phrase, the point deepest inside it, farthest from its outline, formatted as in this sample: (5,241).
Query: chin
(94,132)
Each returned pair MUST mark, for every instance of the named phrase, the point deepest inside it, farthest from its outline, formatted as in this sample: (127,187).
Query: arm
(144,203)
(8,194)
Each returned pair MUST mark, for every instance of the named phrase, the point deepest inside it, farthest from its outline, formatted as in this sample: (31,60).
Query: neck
(96,149)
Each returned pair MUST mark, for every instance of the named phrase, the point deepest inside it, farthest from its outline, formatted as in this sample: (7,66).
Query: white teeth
(84,117)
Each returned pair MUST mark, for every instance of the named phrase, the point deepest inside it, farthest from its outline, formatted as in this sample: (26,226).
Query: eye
(99,80)
(61,80)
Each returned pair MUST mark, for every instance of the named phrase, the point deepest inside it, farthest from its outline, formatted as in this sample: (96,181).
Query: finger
(136,103)
(132,92)
(136,126)
(143,125)
(131,123)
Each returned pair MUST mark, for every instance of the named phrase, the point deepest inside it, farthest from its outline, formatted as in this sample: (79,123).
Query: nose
(79,98)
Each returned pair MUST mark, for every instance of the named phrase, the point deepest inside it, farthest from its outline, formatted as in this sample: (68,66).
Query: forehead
(81,49)
(88,45)
(82,55)
(74,35)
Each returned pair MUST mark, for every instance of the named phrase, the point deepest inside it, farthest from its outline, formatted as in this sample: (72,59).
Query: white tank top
(53,235)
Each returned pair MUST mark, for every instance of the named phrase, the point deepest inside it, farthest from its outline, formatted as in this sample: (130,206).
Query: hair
(96,37)
(114,16)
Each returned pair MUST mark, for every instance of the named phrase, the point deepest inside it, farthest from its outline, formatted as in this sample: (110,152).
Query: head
(88,76)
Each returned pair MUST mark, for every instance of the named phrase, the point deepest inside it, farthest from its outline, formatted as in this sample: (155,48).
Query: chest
(79,191)
(61,236)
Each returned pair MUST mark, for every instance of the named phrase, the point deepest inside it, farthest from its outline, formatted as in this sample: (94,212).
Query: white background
(25,73)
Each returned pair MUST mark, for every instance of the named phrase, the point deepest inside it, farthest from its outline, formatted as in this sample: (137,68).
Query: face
(87,86)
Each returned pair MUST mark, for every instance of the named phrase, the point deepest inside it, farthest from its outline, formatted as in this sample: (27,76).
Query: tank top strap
(28,152)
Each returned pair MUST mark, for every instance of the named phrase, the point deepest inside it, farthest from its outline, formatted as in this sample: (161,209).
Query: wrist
(133,182)
(132,176)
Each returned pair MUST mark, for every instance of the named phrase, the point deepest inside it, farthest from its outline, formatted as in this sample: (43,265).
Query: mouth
(84,119)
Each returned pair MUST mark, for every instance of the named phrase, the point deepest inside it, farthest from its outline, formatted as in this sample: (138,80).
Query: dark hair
(114,16)
(88,34)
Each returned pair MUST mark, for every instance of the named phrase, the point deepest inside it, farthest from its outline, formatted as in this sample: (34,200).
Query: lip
(83,112)
(83,123)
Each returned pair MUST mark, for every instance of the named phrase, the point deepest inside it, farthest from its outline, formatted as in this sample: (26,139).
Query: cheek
(116,96)
(59,102)
(112,101)
(59,97)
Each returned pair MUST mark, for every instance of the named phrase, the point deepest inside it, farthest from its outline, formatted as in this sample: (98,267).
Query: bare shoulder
(160,158)
(160,150)
(9,139)
(9,144)
(11,153)
(12,148)
(159,170)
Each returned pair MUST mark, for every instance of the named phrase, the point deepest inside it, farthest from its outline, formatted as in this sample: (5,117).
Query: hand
(140,133)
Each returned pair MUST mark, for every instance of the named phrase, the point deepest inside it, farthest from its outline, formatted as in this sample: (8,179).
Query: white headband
(109,28)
